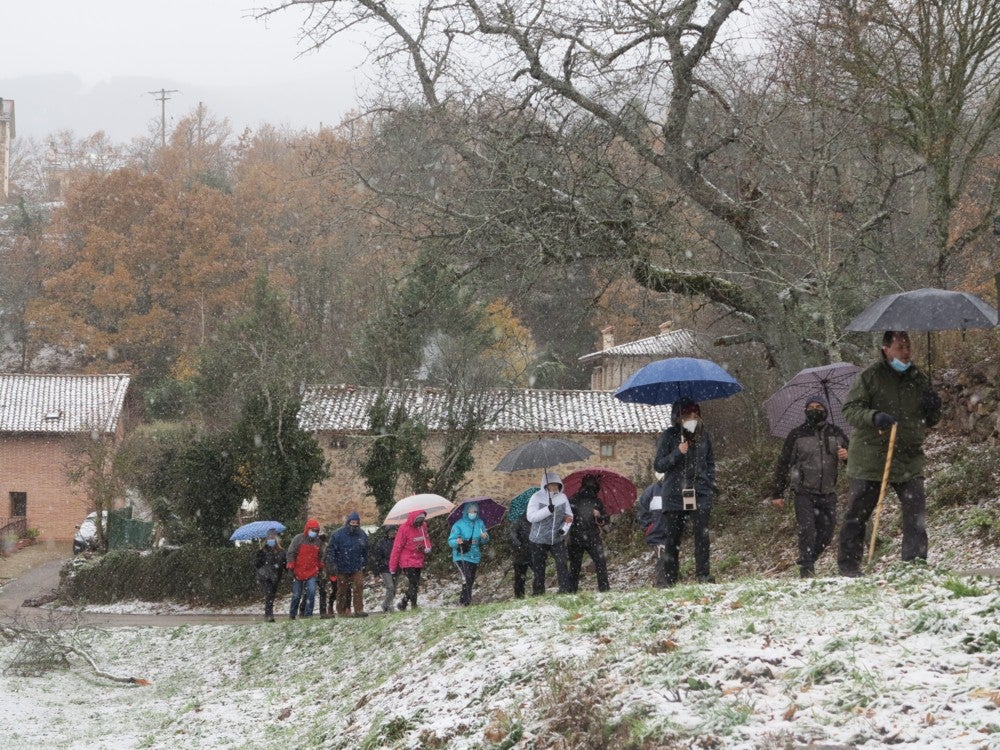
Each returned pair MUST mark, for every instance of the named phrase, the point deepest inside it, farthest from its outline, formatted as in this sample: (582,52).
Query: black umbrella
(542,453)
(925,310)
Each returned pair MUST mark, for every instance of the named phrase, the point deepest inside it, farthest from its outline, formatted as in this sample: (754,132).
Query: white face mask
(473,515)
(690,424)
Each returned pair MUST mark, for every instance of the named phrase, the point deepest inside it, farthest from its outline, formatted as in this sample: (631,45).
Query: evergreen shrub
(217,576)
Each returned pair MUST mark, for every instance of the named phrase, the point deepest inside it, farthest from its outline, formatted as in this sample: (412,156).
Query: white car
(86,532)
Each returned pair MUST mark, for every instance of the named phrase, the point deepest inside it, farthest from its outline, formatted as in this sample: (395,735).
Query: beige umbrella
(432,505)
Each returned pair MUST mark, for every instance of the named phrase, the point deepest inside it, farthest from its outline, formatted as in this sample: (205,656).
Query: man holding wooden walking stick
(890,406)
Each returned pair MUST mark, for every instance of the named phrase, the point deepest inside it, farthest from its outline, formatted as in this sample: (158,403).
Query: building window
(18,504)
(607,450)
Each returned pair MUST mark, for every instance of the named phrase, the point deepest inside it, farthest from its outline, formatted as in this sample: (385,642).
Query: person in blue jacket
(347,554)
(468,534)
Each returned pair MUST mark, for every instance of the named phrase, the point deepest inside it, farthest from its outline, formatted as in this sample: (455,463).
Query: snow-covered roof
(342,408)
(681,342)
(61,403)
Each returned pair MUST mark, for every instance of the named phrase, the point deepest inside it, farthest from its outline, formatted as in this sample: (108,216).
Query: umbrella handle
(881,493)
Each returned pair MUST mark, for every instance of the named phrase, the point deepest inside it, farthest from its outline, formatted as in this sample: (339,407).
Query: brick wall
(344,490)
(36,465)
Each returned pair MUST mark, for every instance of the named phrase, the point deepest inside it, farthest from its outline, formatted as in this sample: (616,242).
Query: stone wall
(971,401)
(344,490)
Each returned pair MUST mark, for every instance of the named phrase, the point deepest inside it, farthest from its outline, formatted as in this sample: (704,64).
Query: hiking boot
(402,605)
(851,573)
(361,614)
(806,572)
(705,579)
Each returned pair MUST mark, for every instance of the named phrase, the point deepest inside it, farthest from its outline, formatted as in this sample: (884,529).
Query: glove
(883,421)
(930,401)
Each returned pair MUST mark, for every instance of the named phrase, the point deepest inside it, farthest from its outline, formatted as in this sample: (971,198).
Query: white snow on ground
(910,655)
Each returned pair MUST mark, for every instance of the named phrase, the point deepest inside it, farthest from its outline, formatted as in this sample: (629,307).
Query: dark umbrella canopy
(490,511)
(925,310)
(785,408)
(519,505)
(541,454)
(617,493)
(668,381)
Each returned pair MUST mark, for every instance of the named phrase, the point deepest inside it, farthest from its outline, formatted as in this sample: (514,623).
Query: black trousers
(593,547)
(668,561)
(521,568)
(539,556)
(864,497)
(816,519)
(413,584)
(468,571)
(269,589)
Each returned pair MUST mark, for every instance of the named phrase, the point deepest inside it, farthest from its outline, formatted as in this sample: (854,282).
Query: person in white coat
(551,516)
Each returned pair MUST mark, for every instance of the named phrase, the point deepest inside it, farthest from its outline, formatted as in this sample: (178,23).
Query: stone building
(41,417)
(614,364)
(7,134)
(621,436)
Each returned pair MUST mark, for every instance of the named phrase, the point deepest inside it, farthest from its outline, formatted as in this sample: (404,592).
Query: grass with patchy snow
(911,655)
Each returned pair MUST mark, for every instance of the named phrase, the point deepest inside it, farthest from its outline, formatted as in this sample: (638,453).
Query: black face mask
(815,416)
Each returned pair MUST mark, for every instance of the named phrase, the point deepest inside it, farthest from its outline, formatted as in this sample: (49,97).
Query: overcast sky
(210,50)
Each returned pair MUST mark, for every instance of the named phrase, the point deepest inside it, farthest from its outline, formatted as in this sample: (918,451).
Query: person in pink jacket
(412,545)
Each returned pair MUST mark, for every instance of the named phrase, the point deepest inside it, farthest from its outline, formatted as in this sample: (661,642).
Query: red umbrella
(617,493)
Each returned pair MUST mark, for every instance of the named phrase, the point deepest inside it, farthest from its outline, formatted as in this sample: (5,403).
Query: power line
(163,99)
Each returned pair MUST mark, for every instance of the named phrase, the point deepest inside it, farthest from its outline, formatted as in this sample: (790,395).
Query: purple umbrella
(786,407)
(490,511)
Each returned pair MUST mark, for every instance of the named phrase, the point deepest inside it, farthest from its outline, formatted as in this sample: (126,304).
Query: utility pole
(163,99)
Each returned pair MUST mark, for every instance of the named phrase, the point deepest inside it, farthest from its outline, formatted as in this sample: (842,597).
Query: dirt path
(33,573)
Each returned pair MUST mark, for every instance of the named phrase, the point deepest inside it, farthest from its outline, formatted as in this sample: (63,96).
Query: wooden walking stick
(881,493)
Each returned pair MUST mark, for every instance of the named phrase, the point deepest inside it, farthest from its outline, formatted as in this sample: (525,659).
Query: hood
(312,523)
(548,477)
(411,517)
(818,398)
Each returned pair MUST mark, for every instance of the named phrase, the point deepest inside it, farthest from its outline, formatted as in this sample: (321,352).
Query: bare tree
(933,68)
(606,125)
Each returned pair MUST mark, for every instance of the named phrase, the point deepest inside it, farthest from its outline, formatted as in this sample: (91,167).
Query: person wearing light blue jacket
(468,534)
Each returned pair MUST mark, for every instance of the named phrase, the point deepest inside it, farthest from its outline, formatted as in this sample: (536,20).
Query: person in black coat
(685,457)
(378,561)
(811,457)
(520,546)
(269,562)
(585,535)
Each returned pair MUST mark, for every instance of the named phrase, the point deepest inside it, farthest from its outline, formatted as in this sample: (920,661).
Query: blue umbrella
(668,381)
(255,530)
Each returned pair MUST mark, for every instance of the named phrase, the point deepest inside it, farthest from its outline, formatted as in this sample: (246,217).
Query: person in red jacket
(305,563)
(411,546)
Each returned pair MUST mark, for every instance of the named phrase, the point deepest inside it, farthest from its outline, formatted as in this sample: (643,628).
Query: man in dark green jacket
(891,391)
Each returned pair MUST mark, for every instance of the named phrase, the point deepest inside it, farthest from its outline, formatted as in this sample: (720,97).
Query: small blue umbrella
(668,381)
(255,530)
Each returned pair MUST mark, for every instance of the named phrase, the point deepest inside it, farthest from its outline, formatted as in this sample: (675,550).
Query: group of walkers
(892,396)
